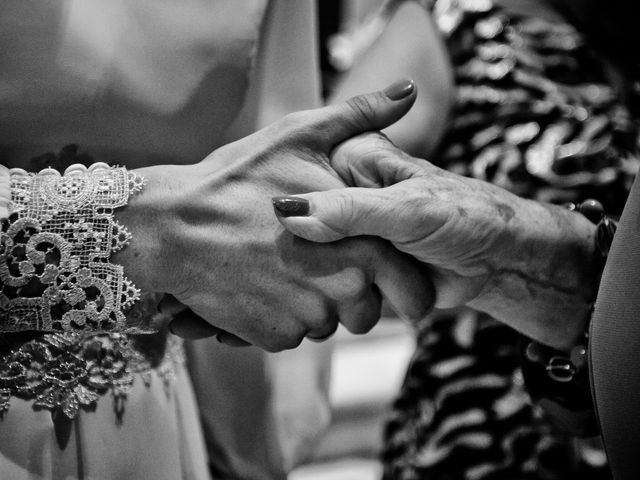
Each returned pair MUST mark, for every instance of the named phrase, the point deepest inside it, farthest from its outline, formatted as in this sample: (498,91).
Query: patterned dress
(539,113)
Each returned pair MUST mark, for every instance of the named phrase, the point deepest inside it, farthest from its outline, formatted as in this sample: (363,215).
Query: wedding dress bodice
(134,81)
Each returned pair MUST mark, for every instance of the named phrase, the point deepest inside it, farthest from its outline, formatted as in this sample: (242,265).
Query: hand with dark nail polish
(471,235)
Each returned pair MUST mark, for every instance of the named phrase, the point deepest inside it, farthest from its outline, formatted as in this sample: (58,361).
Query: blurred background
(367,373)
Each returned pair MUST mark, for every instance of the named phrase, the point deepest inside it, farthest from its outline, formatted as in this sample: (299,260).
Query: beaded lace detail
(55,278)
(69,371)
(56,244)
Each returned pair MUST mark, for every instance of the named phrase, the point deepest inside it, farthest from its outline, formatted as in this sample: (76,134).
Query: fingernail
(290,206)
(400,89)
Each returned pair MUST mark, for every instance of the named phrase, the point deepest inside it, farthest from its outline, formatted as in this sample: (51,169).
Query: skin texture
(526,263)
(205,234)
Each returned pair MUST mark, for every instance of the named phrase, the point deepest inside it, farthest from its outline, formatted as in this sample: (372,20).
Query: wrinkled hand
(206,234)
(527,263)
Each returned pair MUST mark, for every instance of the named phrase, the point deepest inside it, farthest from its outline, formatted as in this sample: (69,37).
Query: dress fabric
(117,77)
(613,345)
(538,112)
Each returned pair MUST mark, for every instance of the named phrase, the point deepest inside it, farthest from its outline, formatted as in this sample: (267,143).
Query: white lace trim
(55,246)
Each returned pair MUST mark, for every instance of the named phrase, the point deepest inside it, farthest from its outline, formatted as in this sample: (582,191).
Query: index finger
(405,284)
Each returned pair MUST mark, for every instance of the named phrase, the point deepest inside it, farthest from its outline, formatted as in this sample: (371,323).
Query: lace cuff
(55,274)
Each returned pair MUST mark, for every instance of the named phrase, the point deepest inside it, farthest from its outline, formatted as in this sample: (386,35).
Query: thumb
(363,113)
(334,214)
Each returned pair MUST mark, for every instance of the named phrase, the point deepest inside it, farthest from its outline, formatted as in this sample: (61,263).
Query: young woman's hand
(206,234)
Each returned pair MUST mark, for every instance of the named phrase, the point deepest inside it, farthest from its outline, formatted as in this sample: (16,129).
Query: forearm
(545,280)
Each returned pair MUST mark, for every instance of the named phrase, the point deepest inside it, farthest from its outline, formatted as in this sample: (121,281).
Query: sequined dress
(540,113)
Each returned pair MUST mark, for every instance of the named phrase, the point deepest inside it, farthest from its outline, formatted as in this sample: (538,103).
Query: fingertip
(424,294)
(360,317)
(414,310)
(301,216)
(290,206)
(310,228)
(192,327)
(400,89)
(424,305)
(360,328)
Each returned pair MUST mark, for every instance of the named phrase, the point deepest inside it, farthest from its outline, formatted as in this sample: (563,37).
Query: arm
(204,234)
(410,47)
(285,75)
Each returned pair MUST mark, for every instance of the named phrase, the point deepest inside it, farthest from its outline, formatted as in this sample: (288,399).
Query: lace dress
(125,79)
(541,114)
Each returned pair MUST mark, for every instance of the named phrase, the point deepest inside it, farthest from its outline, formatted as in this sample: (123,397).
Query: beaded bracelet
(558,381)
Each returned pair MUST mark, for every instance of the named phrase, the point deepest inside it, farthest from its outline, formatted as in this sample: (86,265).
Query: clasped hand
(206,234)
(528,264)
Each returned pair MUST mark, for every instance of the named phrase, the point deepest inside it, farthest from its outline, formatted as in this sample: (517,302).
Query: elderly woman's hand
(205,234)
(527,263)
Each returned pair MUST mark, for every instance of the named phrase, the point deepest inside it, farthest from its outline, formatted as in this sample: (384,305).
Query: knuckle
(366,150)
(324,331)
(349,213)
(379,138)
(295,124)
(287,342)
(346,207)
(363,107)
(290,120)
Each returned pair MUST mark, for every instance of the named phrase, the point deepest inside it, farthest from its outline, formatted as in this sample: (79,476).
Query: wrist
(544,286)
(148,217)
(559,380)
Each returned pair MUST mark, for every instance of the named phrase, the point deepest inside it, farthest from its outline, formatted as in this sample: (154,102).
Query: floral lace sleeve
(5,192)
(58,232)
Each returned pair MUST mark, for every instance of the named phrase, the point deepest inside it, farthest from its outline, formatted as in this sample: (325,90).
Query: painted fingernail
(400,89)
(290,206)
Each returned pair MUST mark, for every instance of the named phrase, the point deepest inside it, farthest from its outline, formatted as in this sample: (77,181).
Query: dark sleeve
(615,345)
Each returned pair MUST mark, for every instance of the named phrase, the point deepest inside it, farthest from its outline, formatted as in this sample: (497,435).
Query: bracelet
(555,379)
(55,274)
